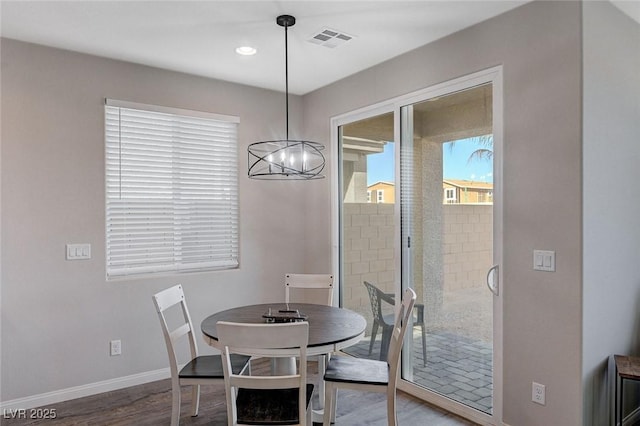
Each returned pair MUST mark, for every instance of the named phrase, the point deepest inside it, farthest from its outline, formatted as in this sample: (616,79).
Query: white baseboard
(61,395)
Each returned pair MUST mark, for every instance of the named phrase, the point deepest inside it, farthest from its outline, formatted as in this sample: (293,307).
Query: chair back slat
(168,298)
(252,336)
(179,332)
(265,382)
(309,288)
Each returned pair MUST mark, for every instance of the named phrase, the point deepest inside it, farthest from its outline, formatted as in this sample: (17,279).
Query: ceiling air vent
(330,38)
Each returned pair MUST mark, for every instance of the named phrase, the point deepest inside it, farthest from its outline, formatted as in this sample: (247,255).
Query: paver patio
(457,367)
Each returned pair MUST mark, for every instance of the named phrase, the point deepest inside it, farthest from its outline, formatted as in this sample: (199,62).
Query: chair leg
(374,332)
(424,345)
(175,404)
(334,404)
(384,346)
(322,367)
(330,402)
(309,416)
(232,415)
(392,418)
(195,400)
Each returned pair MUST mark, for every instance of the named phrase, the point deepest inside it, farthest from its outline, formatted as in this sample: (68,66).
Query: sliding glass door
(417,183)
(447,194)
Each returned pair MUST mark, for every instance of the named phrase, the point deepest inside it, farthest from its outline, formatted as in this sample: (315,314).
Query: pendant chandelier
(286,159)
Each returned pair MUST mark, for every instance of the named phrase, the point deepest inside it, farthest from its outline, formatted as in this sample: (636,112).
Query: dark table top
(330,328)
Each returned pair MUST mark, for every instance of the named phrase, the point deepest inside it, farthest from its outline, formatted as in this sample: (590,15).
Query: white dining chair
(199,370)
(273,399)
(311,288)
(370,375)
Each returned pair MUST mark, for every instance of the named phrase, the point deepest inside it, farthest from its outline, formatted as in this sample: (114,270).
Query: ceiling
(200,37)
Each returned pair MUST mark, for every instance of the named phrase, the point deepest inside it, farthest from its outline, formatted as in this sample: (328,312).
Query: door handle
(492,280)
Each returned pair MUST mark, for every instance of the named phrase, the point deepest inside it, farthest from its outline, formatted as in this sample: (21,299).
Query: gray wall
(539,46)
(59,316)
(611,234)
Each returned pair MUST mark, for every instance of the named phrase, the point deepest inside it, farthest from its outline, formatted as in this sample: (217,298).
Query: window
(380,195)
(450,195)
(171,190)
(368,196)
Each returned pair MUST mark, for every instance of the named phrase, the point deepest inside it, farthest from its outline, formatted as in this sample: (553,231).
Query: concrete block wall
(369,249)
(467,251)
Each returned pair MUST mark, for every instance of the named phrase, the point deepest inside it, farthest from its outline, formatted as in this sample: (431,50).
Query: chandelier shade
(286,159)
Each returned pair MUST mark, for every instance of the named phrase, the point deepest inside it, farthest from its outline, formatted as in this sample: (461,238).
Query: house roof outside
(460,183)
(468,184)
(381,182)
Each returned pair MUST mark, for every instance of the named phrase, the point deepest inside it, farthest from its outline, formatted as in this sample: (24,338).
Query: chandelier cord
(286,75)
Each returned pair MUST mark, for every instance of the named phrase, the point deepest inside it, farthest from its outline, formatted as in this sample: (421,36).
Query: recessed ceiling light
(246,50)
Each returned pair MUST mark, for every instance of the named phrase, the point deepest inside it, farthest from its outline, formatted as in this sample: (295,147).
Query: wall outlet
(116,347)
(538,393)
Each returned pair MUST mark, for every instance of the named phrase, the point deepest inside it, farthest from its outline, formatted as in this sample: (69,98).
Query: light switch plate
(78,251)
(544,260)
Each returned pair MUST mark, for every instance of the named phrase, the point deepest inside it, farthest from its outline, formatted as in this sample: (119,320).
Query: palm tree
(485,152)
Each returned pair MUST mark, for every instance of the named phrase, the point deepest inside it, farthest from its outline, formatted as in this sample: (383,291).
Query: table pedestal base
(283,366)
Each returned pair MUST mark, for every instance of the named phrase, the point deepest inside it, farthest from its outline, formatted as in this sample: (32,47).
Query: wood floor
(150,404)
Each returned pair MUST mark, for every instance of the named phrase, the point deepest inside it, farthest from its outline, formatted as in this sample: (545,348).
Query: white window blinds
(171,190)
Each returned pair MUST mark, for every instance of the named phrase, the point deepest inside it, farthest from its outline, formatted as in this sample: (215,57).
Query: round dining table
(330,328)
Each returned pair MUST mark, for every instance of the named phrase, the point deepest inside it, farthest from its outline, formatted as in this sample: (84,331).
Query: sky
(380,167)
